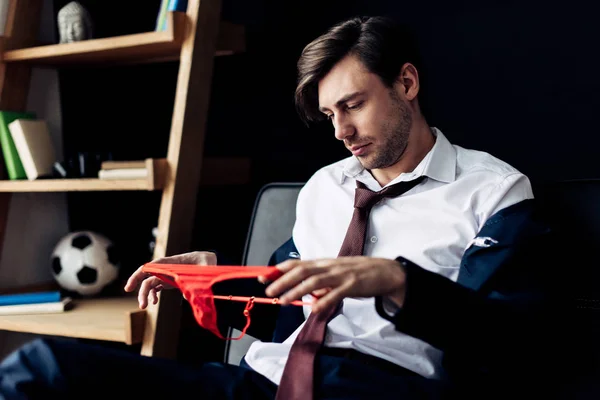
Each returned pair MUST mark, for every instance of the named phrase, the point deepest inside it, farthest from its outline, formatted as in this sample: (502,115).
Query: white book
(38,308)
(123,173)
(34,145)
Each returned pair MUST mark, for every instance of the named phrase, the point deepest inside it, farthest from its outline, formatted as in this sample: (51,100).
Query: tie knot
(365,198)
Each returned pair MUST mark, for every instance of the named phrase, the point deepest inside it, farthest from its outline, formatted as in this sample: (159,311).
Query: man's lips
(359,150)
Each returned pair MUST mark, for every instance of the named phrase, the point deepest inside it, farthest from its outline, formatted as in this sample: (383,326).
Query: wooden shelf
(216,171)
(111,319)
(73,185)
(157,169)
(128,49)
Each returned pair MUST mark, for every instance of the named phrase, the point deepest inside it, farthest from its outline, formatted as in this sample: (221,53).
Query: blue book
(178,5)
(30,298)
(168,6)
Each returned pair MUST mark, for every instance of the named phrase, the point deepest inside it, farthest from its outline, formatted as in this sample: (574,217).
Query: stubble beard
(395,132)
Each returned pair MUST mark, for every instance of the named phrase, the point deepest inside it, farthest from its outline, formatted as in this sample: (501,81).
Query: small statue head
(74,23)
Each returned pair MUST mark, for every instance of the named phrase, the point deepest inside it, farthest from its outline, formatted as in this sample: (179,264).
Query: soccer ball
(85,262)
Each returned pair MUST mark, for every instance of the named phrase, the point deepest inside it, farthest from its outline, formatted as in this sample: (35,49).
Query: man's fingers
(276,273)
(321,292)
(135,279)
(295,271)
(311,284)
(143,295)
(145,288)
(289,265)
(194,258)
(142,300)
(291,278)
(332,298)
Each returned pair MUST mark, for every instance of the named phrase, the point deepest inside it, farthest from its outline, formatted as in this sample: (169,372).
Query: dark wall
(515,78)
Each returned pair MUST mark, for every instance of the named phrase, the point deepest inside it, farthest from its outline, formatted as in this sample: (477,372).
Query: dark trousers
(64,369)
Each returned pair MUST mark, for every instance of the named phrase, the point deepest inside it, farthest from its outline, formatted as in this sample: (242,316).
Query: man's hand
(150,285)
(335,279)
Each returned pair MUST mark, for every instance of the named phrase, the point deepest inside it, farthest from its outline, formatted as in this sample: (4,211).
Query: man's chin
(366,162)
(372,163)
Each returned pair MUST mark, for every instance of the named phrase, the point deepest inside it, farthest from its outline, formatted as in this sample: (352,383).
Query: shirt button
(373,239)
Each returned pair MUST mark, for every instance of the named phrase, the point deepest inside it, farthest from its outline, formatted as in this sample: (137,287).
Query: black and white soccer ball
(85,262)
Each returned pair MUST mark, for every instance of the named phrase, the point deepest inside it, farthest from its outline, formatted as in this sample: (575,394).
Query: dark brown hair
(380,43)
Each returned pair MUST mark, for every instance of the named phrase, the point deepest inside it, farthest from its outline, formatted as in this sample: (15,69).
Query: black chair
(271,225)
(572,209)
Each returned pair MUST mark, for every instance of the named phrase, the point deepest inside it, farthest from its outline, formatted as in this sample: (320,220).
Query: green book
(14,167)
(162,16)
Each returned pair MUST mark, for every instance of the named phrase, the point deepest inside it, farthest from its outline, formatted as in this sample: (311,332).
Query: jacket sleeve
(496,320)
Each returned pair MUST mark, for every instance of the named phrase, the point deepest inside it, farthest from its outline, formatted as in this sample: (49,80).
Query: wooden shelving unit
(110,319)
(138,48)
(194,38)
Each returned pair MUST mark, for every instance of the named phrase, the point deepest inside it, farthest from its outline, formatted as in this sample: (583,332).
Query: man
(445,299)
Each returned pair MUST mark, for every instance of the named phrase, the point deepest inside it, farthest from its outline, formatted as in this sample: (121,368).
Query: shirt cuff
(386,307)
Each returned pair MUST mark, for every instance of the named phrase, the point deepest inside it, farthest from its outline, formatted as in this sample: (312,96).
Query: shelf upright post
(185,159)
(21,30)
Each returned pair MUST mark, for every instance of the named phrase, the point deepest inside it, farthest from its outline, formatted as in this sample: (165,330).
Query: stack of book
(39,302)
(26,146)
(123,170)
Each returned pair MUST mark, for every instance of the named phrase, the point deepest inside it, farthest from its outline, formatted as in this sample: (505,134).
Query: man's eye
(329,117)
(354,106)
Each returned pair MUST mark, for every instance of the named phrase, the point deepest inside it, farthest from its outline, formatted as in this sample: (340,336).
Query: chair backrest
(272,221)
(572,208)
(271,225)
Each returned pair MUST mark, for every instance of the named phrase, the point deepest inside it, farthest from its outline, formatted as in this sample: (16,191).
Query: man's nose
(343,127)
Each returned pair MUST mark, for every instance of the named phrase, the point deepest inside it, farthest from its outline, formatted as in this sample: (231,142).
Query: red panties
(195,283)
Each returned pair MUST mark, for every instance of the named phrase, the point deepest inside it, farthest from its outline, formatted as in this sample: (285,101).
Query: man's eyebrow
(343,100)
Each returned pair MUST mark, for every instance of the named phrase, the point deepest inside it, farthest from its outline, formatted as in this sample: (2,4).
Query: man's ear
(408,82)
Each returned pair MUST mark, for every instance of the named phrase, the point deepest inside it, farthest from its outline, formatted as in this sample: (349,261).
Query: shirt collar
(439,163)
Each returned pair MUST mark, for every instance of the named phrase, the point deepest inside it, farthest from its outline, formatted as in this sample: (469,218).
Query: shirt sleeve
(505,192)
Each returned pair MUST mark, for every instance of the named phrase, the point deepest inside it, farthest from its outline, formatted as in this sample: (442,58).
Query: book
(123,173)
(161,19)
(178,5)
(54,307)
(30,297)
(14,166)
(34,145)
(167,6)
(123,164)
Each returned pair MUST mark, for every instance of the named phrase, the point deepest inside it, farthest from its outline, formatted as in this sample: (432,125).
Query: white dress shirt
(431,225)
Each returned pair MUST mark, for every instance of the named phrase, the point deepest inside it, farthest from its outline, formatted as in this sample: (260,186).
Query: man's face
(374,121)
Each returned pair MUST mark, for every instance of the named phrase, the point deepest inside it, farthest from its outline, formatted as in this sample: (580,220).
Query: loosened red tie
(298,374)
